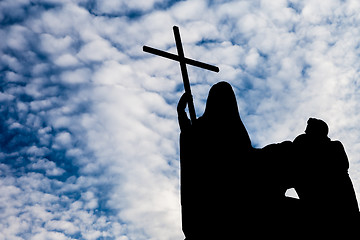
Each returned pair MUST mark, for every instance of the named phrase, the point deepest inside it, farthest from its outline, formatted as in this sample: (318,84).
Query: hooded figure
(322,180)
(214,153)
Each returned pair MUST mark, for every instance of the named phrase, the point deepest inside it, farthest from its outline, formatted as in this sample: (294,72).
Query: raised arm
(184,121)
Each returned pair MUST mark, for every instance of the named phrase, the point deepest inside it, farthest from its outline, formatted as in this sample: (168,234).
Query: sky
(89,145)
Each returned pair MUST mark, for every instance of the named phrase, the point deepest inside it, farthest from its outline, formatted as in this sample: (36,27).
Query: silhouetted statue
(215,177)
(230,190)
(322,181)
(318,170)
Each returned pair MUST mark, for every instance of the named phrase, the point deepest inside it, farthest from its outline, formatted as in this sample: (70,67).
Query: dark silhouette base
(230,190)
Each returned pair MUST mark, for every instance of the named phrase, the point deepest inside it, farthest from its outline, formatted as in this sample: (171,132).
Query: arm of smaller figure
(184,121)
(280,160)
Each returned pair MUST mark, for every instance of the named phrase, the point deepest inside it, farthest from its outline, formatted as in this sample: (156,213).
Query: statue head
(317,128)
(221,102)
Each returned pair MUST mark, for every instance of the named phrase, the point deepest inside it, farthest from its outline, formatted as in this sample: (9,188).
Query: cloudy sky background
(89,137)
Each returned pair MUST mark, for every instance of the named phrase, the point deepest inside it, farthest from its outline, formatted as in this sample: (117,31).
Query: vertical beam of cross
(184,72)
(183,61)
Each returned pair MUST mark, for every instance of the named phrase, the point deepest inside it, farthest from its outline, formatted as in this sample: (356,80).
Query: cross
(183,61)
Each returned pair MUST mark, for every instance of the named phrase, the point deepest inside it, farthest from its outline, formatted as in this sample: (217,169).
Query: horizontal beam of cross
(183,61)
(177,58)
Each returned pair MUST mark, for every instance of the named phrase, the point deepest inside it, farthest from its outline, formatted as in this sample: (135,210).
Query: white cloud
(52,44)
(42,234)
(49,167)
(80,75)
(121,6)
(6,97)
(63,139)
(98,50)
(16,38)
(67,227)
(66,60)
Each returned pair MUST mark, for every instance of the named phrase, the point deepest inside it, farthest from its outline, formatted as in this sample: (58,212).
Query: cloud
(89,136)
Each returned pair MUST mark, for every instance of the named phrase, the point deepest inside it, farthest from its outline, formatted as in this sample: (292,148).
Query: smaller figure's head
(317,128)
